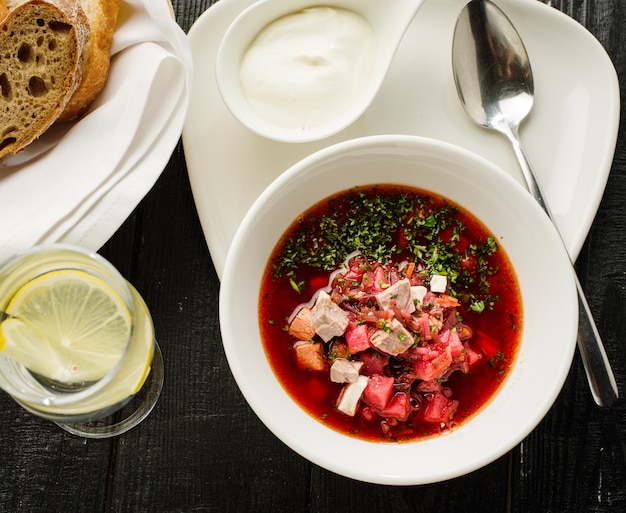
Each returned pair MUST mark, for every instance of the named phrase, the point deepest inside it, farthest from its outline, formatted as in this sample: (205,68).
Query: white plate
(570,135)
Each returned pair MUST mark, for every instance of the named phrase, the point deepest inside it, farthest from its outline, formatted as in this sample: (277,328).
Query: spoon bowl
(495,84)
(493,75)
(388,20)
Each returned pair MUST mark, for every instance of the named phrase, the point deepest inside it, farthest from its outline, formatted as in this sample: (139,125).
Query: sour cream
(304,69)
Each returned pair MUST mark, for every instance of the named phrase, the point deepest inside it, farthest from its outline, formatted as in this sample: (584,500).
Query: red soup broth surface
(392,224)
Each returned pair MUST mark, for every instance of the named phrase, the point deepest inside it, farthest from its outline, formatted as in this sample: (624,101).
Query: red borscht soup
(389,313)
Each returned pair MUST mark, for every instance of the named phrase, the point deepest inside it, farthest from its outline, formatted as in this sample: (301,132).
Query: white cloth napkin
(79,182)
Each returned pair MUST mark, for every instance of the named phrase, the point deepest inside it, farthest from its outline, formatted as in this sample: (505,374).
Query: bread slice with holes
(102,16)
(41,65)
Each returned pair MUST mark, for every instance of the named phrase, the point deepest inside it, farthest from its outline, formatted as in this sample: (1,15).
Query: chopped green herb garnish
(477,306)
(296,286)
(384,223)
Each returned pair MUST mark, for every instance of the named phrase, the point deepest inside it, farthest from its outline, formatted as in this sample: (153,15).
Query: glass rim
(32,398)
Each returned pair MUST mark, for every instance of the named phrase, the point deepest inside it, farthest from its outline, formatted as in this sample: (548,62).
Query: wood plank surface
(203,450)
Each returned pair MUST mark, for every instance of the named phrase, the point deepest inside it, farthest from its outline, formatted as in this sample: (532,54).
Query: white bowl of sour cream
(298,71)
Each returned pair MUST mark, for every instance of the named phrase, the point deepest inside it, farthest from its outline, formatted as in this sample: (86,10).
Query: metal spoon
(495,84)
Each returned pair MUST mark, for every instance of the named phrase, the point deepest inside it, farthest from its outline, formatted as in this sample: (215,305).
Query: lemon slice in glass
(68,326)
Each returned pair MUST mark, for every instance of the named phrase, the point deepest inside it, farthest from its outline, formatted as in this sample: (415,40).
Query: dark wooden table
(203,450)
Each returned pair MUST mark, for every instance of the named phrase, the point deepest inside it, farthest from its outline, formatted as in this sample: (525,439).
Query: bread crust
(102,15)
(20,126)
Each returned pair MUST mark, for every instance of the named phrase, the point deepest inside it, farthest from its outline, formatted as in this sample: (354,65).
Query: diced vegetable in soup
(389,313)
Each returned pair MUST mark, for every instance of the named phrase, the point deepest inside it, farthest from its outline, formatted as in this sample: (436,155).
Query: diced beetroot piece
(452,340)
(372,316)
(429,300)
(378,391)
(367,281)
(423,322)
(426,387)
(457,350)
(416,353)
(373,362)
(440,409)
(424,370)
(450,320)
(472,357)
(380,280)
(355,274)
(368,414)
(358,338)
(442,361)
(438,362)
(398,408)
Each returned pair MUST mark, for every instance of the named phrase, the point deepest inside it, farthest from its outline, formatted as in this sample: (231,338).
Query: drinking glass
(77,342)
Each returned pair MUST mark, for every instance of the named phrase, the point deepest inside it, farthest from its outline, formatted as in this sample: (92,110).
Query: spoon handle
(529,175)
(597,366)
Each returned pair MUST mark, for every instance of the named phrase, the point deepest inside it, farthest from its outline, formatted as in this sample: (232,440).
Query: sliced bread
(102,15)
(41,65)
